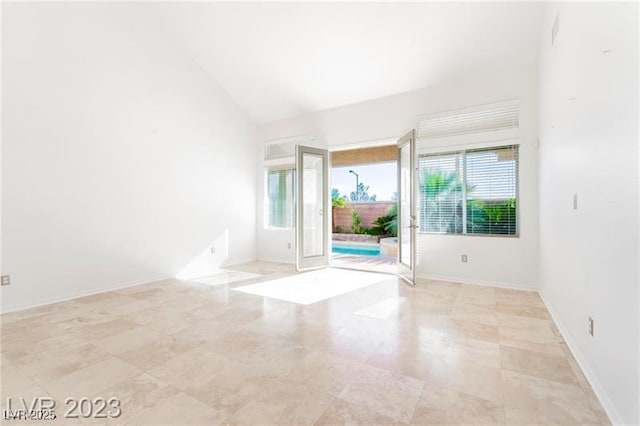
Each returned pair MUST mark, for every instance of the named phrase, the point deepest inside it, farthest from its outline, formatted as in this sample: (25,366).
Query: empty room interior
(299,213)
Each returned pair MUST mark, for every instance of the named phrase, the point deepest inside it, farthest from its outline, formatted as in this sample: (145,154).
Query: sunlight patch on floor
(312,287)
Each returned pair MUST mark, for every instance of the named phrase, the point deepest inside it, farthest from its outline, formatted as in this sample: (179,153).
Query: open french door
(407,216)
(312,208)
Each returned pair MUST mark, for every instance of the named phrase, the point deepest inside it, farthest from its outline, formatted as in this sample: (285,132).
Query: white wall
(122,160)
(589,146)
(506,261)
(1,127)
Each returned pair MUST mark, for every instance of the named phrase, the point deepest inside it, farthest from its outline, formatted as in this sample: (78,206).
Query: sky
(380,177)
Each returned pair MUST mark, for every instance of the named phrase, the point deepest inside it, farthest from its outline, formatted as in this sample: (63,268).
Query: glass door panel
(312,218)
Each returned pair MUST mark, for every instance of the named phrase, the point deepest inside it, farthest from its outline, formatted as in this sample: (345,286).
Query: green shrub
(387,224)
(356,226)
(491,217)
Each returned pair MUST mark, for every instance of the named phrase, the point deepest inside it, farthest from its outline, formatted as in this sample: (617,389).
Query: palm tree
(443,198)
(392,226)
(336,202)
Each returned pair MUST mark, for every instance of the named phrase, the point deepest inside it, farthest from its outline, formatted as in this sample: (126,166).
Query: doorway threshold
(381,264)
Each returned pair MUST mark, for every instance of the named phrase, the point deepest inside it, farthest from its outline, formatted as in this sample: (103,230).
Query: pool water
(357,249)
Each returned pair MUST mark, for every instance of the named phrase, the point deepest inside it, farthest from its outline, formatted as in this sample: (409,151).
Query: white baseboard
(75,295)
(476,282)
(238,262)
(210,270)
(598,389)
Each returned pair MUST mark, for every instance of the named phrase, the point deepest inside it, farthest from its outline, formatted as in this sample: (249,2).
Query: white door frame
(317,260)
(407,261)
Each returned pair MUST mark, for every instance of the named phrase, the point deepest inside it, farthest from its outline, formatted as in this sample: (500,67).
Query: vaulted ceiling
(278,60)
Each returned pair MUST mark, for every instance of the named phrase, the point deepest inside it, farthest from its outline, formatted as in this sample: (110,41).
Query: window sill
(516,236)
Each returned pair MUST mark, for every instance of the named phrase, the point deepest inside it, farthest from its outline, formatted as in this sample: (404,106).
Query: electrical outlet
(591,326)
(464,258)
(6,280)
(289,245)
(213,250)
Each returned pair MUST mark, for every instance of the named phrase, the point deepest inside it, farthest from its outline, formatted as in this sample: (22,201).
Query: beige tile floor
(187,353)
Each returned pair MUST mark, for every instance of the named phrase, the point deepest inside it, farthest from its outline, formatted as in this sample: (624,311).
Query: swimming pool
(358,249)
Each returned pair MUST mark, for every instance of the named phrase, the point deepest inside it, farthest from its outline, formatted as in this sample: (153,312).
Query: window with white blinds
(280,193)
(441,193)
(470,191)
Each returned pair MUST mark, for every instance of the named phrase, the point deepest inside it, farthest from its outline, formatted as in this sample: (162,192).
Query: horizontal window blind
(491,176)
(441,193)
(280,150)
(286,148)
(491,118)
(280,196)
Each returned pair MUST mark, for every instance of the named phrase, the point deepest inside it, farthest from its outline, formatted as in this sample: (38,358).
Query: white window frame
(463,150)
(267,199)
